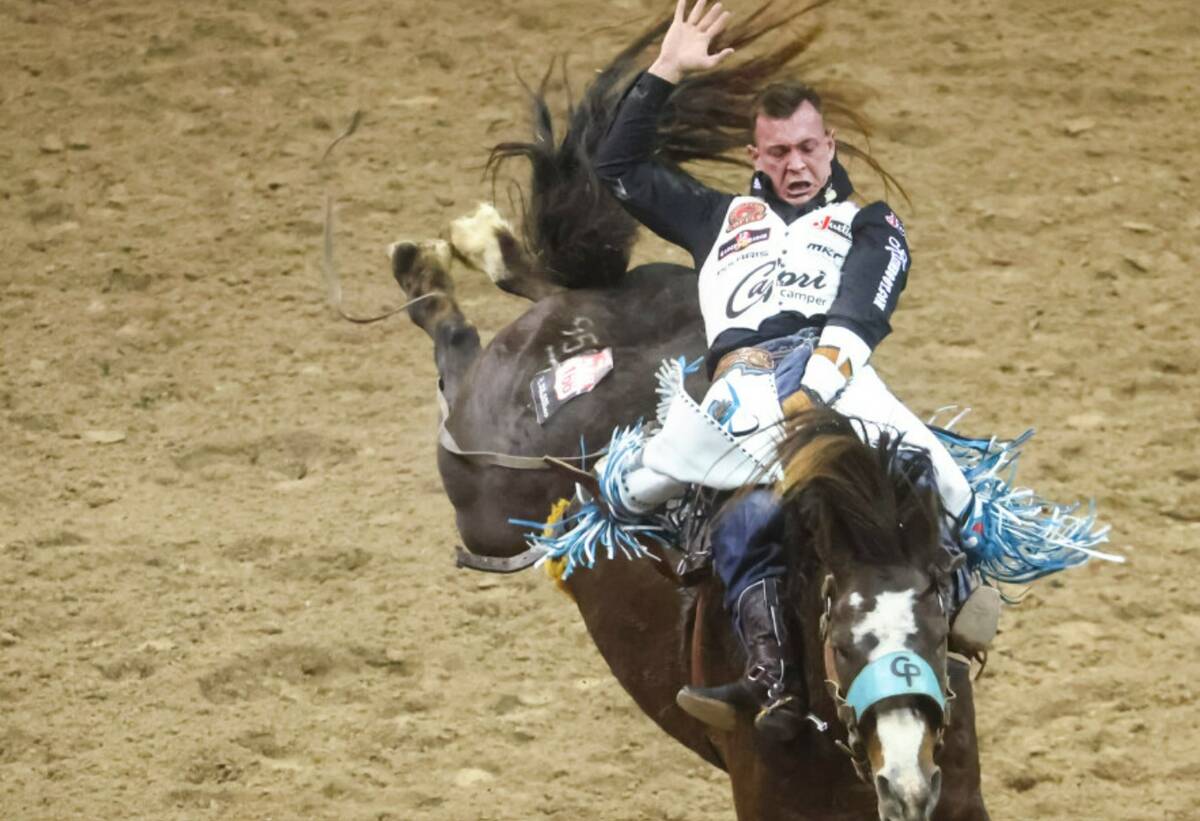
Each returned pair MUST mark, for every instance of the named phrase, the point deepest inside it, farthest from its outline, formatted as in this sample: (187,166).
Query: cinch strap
(902,673)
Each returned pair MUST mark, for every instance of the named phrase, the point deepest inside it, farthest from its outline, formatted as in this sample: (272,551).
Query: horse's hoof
(711,711)
(421,267)
(402,254)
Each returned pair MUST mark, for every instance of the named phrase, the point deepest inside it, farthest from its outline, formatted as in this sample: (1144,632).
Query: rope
(333,282)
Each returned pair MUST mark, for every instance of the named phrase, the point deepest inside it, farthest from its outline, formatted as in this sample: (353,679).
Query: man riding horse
(797,284)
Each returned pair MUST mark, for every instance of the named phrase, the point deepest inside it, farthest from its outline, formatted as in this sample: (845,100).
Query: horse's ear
(919,519)
(804,512)
(948,563)
(811,504)
(918,504)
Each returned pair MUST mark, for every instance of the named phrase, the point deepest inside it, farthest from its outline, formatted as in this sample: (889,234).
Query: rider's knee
(749,518)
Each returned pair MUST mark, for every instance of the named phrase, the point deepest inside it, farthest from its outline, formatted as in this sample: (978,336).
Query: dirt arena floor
(226,576)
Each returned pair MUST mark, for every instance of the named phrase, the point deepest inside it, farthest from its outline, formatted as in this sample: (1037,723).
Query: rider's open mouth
(795,188)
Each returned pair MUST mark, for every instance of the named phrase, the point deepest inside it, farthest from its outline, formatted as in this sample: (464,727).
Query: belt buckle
(750,356)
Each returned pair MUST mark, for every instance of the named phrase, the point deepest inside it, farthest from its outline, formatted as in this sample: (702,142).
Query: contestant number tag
(555,386)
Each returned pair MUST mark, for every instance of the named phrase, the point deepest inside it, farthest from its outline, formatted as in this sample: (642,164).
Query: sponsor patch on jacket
(895,222)
(828,223)
(742,241)
(745,214)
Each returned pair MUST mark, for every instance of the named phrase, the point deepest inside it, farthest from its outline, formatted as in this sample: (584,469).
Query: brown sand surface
(226,581)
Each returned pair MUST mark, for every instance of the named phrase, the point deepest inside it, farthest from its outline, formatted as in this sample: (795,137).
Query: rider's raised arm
(873,275)
(670,203)
(685,46)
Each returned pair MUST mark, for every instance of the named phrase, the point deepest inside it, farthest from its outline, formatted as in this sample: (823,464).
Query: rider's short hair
(778,101)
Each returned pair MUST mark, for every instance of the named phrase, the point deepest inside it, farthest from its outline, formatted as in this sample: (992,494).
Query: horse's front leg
(962,796)
(485,241)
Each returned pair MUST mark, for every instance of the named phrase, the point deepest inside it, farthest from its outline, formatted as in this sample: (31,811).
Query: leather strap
(696,673)
(490,457)
(497,564)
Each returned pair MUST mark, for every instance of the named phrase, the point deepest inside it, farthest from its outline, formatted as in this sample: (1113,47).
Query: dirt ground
(226,576)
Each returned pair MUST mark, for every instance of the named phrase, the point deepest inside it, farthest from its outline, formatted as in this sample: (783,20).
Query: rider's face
(795,153)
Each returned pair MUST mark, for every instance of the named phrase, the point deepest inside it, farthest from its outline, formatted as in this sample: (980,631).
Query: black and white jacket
(767,268)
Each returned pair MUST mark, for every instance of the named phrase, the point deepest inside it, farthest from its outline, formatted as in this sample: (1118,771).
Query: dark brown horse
(865,561)
(649,630)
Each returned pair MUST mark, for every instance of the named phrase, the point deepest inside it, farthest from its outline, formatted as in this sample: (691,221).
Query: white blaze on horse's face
(890,622)
(900,748)
(907,782)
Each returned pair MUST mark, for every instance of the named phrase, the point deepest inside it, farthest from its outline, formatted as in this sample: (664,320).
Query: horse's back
(654,314)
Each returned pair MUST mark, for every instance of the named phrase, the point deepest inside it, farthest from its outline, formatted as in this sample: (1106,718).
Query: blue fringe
(596,529)
(670,376)
(1013,535)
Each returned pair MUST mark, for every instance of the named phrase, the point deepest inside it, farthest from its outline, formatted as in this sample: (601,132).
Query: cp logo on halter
(905,669)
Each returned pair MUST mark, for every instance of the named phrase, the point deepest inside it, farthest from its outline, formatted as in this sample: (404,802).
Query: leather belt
(752,357)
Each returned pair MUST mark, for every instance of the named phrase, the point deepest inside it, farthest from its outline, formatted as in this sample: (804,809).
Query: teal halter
(902,673)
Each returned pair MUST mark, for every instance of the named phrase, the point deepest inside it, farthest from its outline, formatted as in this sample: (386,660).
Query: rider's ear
(752,150)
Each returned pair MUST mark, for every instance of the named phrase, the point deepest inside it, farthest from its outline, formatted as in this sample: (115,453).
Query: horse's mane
(578,233)
(872,504)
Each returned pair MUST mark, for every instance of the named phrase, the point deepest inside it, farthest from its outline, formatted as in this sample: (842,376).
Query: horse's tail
(578,232)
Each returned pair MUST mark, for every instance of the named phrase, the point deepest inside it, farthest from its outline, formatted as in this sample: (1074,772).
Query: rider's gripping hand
(685,48)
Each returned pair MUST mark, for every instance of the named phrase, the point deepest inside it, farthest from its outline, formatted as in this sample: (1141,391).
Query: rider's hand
(685,48)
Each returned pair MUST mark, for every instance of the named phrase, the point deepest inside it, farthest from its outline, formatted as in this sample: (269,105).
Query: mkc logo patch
(895,222)
(742,241)
(745,214)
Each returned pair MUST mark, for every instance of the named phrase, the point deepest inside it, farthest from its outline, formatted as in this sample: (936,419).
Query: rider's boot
(632,490)
(976,622)
(772,684)
(976,619)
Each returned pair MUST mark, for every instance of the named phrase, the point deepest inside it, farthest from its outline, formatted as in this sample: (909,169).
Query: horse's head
(870,514)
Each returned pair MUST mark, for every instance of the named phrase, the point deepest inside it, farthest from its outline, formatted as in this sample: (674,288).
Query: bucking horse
(862,520)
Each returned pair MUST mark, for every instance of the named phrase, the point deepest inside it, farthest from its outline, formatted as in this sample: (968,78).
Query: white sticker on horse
(555,386)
